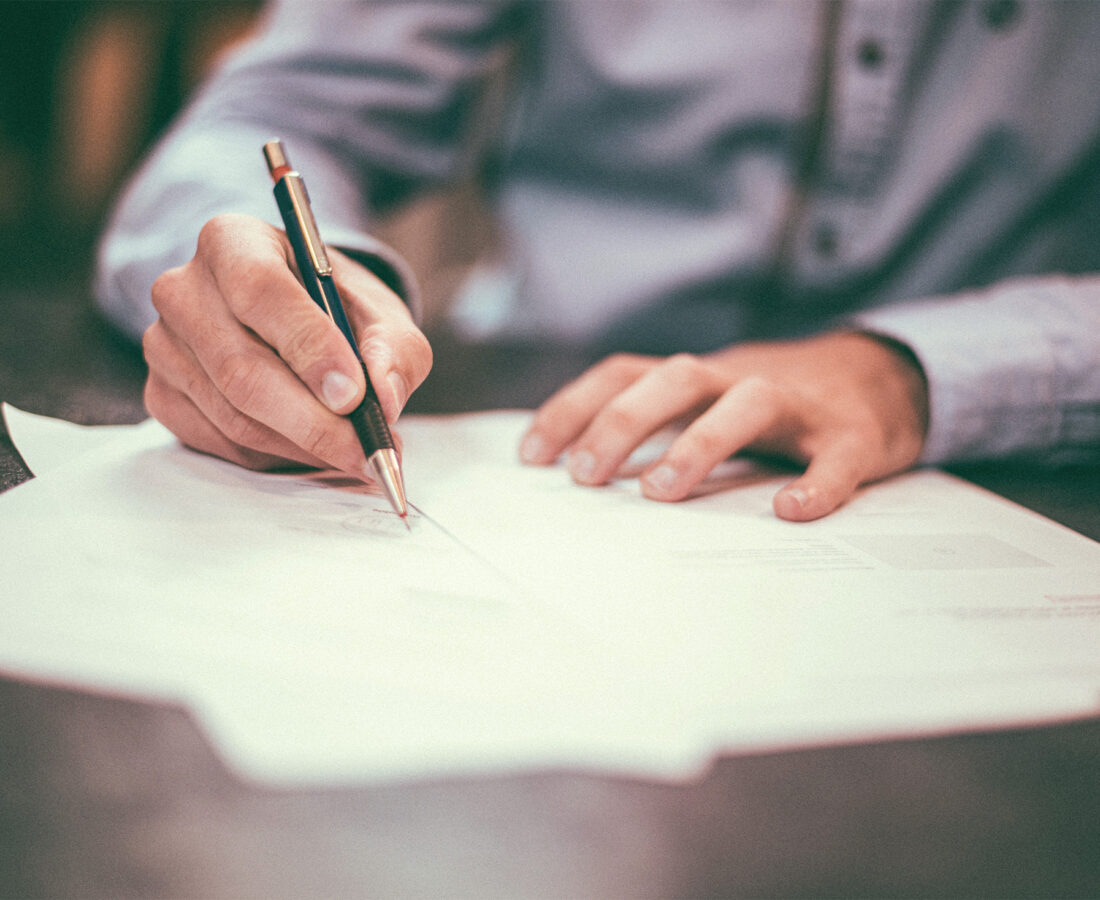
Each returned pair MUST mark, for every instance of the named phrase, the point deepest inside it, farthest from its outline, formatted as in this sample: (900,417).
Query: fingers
(561,419)
(245,365)
(179,394)
(240,383)
(397,354)
(664,393)
(765,415)
(850,406)
(609,411)
(250,270)
(746,414)
(194,429)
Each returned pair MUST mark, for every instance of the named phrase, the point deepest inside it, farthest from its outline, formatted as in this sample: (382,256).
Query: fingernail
(798,496)
(400,389)
(337,390)
(791,503)
(532,448)
(582,465)
(661,480)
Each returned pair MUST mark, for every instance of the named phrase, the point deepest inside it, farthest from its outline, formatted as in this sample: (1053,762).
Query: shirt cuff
(991,378)
(384,262)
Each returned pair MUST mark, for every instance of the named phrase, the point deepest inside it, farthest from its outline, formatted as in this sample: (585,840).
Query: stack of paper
(526,622)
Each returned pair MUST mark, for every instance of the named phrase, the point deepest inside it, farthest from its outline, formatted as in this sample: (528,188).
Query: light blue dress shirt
(680,176)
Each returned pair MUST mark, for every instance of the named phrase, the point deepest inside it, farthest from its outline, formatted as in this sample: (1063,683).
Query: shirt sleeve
(374,102)
(1012,370)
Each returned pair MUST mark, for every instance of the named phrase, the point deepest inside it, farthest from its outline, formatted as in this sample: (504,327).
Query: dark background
(85,87)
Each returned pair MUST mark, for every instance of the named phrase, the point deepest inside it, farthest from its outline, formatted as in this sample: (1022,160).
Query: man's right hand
(245,366)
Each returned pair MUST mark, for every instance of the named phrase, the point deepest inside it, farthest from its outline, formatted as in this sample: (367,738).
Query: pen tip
(387,471)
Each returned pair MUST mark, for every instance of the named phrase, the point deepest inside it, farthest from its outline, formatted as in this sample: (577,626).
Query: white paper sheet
(527,622)
(53,443)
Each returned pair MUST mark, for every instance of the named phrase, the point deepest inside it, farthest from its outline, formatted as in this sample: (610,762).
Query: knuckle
(241,430)
(243,267)
(707,442)
(240,379)
(167,290)
(621,365)
(194,383)
(317,441)
(211,231)
(152,343)
(405,349)
(306,342)
(155,400)
(218,231)
(253,287)
(417,348)
(684,367)
(687,372)
(761,390)
(619,418)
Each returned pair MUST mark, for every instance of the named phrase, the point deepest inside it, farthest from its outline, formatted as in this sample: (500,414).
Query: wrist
(903,376)
(385,264)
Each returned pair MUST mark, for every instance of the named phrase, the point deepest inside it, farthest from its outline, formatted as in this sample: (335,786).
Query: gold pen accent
(279,166)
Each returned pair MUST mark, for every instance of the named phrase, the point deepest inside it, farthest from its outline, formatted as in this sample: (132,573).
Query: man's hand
(245,366)
(851,407)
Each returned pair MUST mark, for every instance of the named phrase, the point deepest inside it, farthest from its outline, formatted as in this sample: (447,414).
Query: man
(859,235)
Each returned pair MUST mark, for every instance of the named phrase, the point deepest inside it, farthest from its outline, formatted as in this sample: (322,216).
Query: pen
(316,271)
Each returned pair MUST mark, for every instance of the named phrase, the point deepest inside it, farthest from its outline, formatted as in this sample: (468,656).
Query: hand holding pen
(244,365)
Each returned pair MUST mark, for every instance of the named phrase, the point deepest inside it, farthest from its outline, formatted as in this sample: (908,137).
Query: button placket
(873,45)
(1000,15)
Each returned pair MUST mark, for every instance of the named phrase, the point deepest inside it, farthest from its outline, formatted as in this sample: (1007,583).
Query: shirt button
(824,239)
(870,54)
(1000,15)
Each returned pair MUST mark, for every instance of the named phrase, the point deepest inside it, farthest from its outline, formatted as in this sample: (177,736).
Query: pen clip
(299,200)
(279,166)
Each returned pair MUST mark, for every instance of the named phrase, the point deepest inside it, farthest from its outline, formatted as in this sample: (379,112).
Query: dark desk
(102,796)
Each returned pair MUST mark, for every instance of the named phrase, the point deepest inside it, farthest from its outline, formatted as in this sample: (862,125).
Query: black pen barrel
(369,421)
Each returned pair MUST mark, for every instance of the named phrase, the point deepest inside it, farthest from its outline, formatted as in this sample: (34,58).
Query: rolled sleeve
(1012,371)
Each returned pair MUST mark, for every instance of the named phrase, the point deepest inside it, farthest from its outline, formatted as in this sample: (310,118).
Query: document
(525,622)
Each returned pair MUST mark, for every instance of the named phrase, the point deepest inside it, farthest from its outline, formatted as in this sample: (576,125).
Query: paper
(53,443)
(526,622)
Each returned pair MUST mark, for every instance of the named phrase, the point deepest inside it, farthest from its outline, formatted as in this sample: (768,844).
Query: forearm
(196,174)
(335,82)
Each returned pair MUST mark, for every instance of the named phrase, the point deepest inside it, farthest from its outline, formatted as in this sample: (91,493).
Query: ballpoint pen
(316,273)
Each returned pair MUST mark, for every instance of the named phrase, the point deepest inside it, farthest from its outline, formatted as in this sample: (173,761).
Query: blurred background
(85,87)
